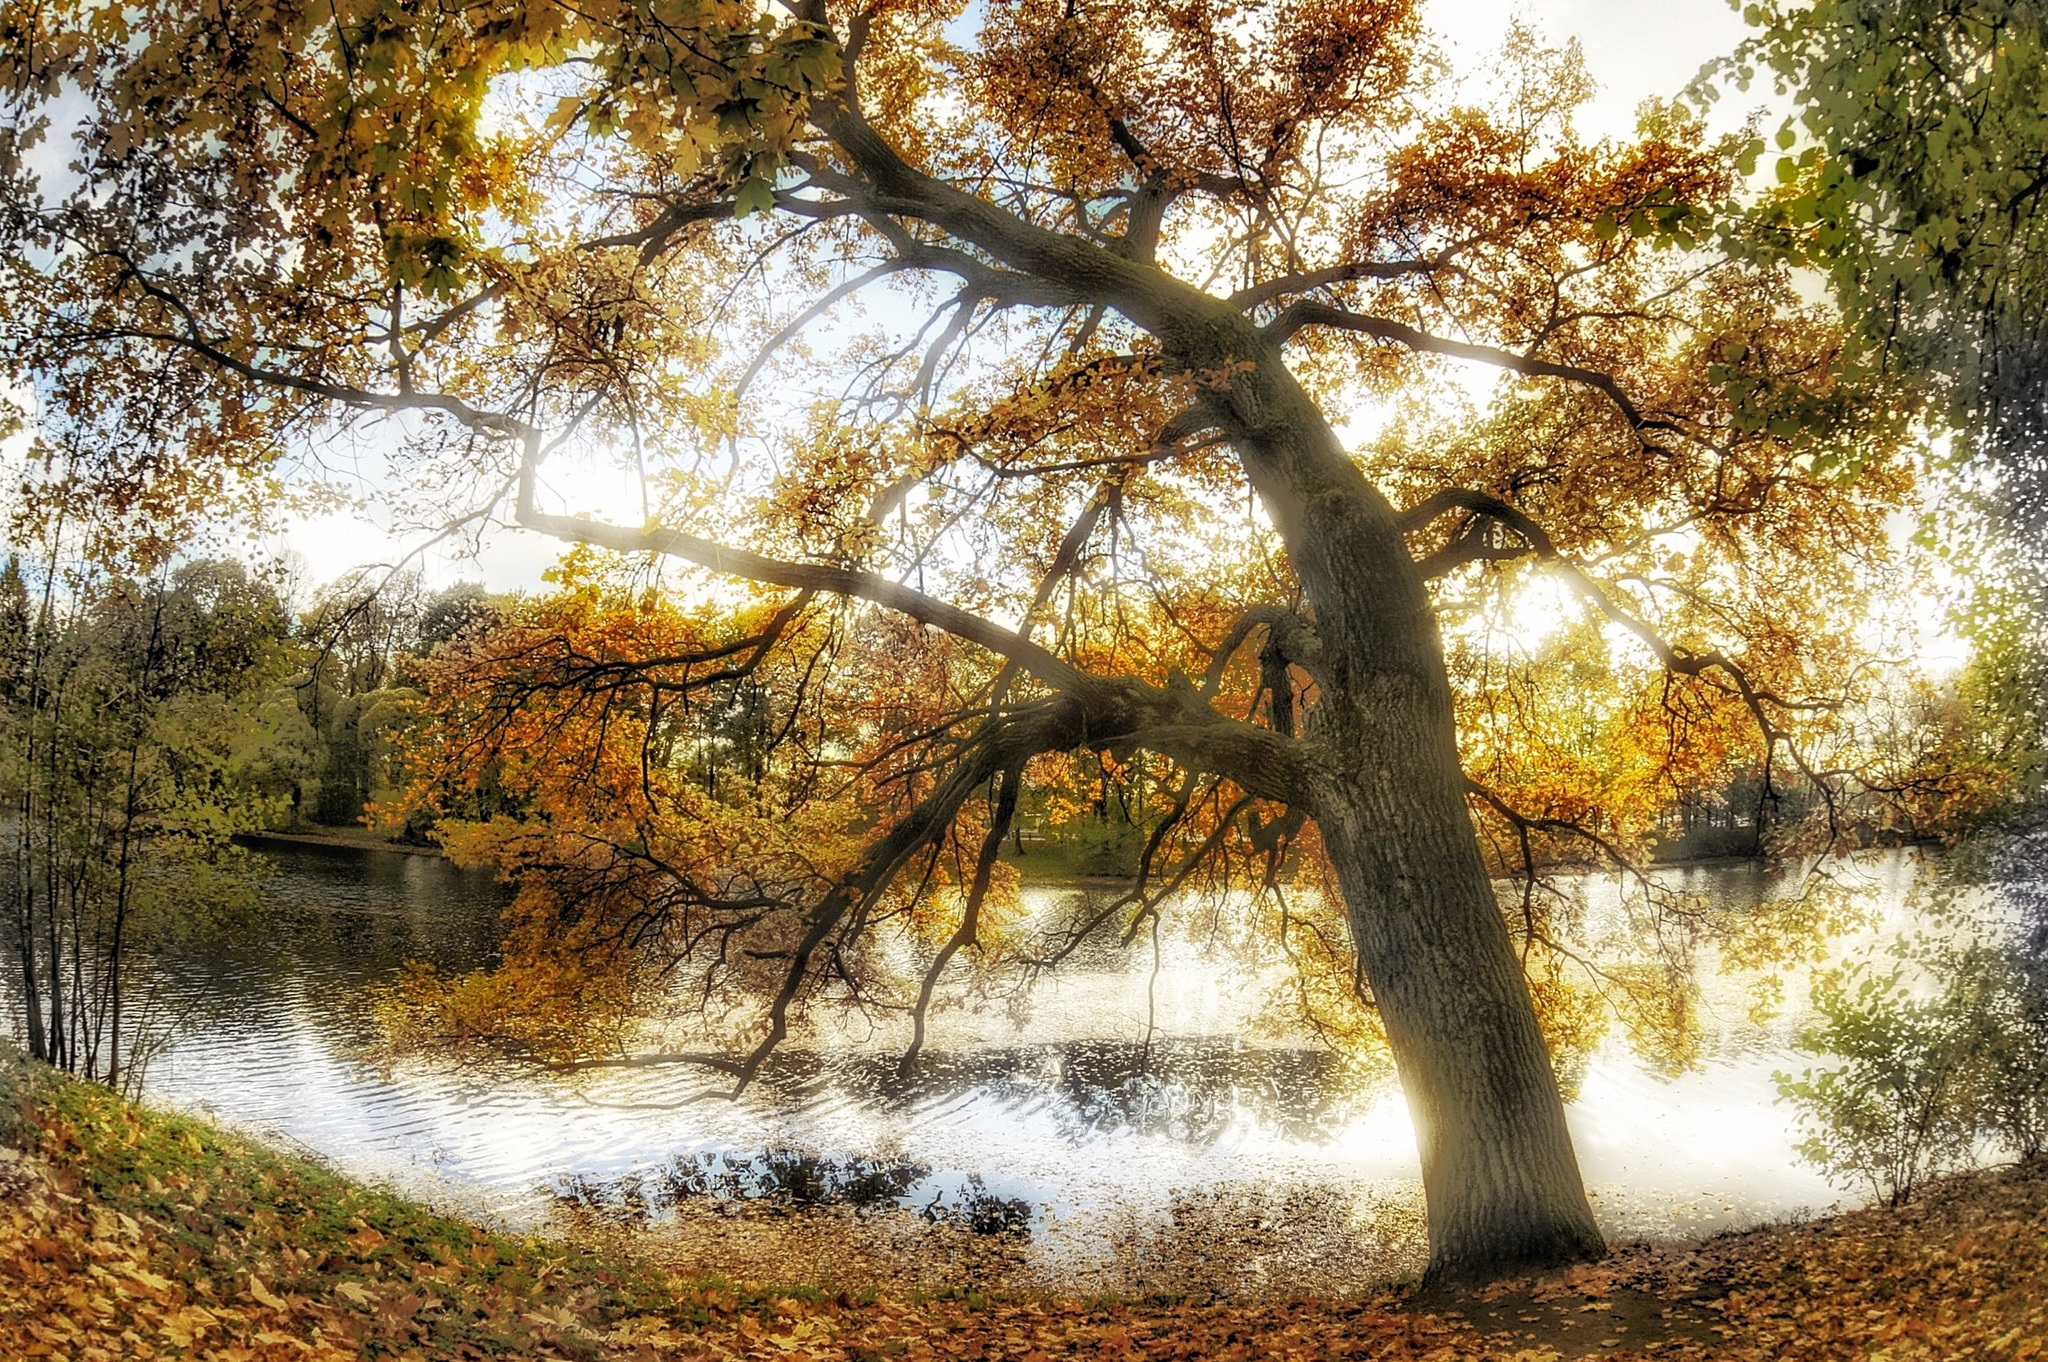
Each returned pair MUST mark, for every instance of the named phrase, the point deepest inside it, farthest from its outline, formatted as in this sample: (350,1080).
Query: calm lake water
(1110,1145)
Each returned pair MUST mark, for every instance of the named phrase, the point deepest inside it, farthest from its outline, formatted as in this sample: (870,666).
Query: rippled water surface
(1061,1106)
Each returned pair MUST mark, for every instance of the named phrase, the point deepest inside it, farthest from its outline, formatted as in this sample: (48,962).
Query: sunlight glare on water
(1059,1104)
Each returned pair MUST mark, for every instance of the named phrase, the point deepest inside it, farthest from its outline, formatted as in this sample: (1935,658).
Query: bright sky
(1635,49)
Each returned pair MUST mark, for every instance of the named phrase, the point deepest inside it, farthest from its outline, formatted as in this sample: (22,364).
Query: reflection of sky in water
(1064,1107)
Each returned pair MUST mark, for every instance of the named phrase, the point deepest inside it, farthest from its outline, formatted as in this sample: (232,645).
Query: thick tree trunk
(1498,1170)
(1501,1179)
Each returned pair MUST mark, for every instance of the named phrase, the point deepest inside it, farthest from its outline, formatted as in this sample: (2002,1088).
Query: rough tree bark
(1376,765)
(1388,794)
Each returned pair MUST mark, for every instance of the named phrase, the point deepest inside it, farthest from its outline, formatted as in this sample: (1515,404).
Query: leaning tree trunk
(1498,1169)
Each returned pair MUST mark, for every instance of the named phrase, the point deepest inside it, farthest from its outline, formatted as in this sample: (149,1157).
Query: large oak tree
(1126,266)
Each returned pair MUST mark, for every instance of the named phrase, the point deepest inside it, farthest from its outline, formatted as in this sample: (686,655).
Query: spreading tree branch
(1304,313)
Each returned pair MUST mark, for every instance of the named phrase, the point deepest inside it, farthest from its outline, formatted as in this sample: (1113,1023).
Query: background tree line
(145,721)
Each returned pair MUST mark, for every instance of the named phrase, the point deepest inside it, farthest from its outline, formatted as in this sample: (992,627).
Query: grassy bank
(127,1233)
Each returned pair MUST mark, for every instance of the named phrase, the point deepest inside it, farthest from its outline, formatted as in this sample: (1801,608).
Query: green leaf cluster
(1932,1054)
(1912,175)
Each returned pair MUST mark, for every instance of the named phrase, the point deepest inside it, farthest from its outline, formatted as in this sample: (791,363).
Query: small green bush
(1932,1055)
(1895,1108)
(2009,998)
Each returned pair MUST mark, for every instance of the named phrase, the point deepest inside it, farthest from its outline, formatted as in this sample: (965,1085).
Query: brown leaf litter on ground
(127,1234)
(1237,1241)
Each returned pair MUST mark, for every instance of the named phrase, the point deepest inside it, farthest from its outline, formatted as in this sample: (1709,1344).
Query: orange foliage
(1102,240)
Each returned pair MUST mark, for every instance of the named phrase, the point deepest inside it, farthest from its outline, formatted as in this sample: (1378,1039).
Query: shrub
(2009,999)
(1896,1107)
(1942,1049)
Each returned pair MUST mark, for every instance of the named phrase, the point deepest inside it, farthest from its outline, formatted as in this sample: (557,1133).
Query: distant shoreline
(338,839)
(365,840)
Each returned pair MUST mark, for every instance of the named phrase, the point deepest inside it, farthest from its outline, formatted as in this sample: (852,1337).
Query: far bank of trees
(662,788)
(360,638)
(147,720)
